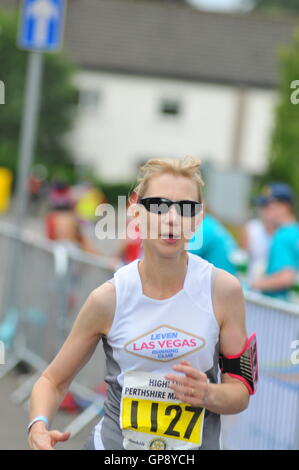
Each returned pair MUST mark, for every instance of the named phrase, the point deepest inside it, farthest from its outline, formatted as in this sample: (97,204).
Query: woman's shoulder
(103,294)
(227,293)
(225,283)
(102,301)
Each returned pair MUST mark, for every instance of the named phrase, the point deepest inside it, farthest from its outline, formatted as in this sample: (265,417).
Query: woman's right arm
(93,321)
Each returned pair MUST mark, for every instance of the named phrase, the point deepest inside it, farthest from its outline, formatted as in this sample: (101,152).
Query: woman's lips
(170,240)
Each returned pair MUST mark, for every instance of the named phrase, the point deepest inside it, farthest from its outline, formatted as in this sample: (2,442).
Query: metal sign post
(28,132)
(41,30)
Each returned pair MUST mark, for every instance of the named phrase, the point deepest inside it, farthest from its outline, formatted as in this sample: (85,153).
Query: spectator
(61,222)
(217,244)
(255,240)
(278,201)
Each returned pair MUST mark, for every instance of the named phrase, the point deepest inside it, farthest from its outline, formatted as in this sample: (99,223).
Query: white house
(159,79)
(125,119)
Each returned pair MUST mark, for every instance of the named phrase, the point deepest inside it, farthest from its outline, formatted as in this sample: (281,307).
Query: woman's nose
(173,216)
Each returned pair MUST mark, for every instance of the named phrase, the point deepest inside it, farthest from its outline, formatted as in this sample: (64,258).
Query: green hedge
(113,190)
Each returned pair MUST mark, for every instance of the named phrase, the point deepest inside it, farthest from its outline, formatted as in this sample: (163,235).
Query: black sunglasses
(161,205)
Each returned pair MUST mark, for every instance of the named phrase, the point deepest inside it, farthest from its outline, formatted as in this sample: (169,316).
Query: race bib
(151,418)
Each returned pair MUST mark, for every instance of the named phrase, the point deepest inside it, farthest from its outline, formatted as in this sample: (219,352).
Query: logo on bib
(158,444)
(165,343)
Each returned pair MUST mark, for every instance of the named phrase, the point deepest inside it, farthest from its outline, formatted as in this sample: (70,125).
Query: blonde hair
(187,166)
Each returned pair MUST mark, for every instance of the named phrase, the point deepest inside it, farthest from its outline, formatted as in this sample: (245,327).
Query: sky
(222,5)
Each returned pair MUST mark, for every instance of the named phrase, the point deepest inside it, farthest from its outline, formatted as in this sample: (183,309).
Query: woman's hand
(41,439)
(191,388)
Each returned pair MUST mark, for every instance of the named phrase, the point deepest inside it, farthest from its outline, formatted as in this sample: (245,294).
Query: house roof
(149,37)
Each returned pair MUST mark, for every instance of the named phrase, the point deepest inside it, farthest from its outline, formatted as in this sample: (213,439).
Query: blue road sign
(42,22)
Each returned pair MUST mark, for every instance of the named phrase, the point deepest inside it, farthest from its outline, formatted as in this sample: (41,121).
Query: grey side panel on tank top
(89,443)
(212,426)
(111,433)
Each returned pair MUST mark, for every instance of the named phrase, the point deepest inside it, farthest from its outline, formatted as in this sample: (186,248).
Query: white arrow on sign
(42,12)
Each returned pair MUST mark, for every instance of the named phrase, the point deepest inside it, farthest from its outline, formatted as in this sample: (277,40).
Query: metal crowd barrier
(271,422)
(52,281)
(52,284)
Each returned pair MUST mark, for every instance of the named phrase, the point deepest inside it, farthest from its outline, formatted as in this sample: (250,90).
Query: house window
(89,99)
(170,107)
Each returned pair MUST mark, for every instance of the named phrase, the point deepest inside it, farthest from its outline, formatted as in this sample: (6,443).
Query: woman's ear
(133,213)
(133,198)
(133,210)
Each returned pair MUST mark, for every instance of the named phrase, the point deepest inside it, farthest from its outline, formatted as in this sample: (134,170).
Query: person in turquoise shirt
(214,243)
(283,263)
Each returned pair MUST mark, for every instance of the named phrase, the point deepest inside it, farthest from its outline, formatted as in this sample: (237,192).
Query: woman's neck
(162,277)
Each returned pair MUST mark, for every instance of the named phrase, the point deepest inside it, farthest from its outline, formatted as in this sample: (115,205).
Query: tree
(284,153)
(275,5)
(57,102)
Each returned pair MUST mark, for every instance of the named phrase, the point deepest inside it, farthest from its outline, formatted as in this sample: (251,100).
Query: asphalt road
(14,420)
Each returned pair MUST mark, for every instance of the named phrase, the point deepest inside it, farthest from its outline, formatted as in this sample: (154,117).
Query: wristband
(38,418)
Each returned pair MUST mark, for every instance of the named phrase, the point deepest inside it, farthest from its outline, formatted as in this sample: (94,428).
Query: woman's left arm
(231,395)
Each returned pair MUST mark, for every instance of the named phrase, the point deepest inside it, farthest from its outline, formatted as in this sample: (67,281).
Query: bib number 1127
(175,420)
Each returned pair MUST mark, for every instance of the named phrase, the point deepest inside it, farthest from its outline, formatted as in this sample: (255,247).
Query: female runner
(164,320)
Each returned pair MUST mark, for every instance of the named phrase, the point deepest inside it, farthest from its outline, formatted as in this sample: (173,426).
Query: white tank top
(148,336)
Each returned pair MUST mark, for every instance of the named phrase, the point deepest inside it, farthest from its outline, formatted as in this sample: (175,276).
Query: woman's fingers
(191,392)
(183,385)
(46,440)
(41,441)
(57,436)
(182,393)
(181,380)
(190,387)
(189,371)
(186,363)
(41,446)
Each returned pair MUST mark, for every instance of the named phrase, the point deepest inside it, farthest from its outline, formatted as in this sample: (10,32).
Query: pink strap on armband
(243,366)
